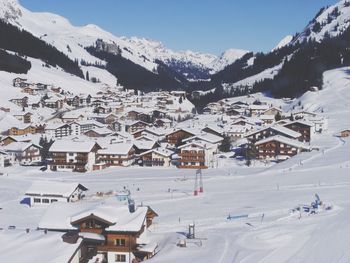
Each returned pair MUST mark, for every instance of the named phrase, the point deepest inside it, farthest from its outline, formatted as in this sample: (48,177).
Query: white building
(45,193)
(160,157)
(76,156)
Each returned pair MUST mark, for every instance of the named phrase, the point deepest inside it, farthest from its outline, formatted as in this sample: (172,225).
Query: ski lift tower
(199,177)
(191,231)
(195,192)
(199,173)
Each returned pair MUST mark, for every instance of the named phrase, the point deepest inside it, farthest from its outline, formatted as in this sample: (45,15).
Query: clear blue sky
(201,25)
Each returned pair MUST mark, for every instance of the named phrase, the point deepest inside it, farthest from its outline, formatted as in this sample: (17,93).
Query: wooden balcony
(81,158)
(192,167)
(106,248)
(192,159)
(184,154)
(59,162)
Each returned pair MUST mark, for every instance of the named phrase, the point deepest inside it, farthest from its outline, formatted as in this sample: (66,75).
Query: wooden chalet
(22,130)
(132,115)
(24,153)
(158,157)
(196,155)
(135,126)
(272,131)
(302,127)
(176,137)
(111,231)
(273,111)
(25,117)
(17,81)
(21,102)
(279,148)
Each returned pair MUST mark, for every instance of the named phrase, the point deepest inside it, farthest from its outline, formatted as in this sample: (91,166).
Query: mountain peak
(226,58)
(10,10)
(284,42)
(329,21)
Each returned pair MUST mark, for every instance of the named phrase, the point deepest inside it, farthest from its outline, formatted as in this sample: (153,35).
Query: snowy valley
(116,149)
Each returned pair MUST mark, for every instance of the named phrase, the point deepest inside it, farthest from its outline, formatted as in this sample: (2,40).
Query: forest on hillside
(24,43)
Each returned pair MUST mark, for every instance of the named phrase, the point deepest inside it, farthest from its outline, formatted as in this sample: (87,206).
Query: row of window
(44,200)
(193,163)
(66,166)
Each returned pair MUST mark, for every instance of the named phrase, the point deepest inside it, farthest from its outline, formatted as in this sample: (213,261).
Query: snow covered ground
(231,190)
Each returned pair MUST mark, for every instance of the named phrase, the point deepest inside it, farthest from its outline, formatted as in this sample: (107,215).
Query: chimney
(131,204)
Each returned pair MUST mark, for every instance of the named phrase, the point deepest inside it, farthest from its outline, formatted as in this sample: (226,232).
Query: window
(53,200)
(37,200)
(120,258)
(46,201)
(71,154)
(120,242)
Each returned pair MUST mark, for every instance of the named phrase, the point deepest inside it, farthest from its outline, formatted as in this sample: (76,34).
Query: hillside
(24,43)
(294,66)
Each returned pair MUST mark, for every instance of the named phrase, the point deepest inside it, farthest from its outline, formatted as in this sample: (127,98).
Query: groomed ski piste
(245,213)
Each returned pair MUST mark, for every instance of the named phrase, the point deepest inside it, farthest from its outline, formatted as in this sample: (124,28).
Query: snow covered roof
(215,128)
(72,146)
(144,144)
(159,150)
(258,107)
(285,140)
(60,216)
(204,136)
(193,131)
(279,129)
(72,115)
(19,146)
(243,120)
(101,131)
(148,248)
(117,148)
(199,144)
(267,117)
(7,121)
(24,247)
(239,128)
(88,122)
(43,188)
(54,126)
(303,122)
(164,120)
(286,131)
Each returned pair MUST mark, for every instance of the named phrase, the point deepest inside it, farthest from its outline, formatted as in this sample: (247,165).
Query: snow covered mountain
(72,40)
(284,42)
(328,22)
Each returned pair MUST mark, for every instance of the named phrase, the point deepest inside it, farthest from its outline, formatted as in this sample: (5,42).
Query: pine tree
(225,145)
(87,76)
(278,116)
